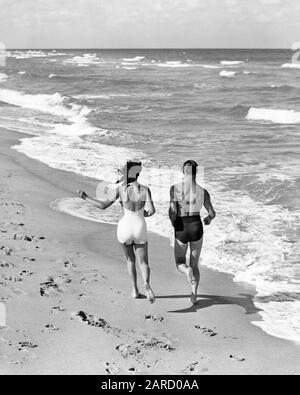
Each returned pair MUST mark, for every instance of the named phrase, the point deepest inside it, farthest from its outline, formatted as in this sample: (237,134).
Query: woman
(186,201)
(132,228)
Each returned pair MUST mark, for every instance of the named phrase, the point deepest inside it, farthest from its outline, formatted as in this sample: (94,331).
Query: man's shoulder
(200,188)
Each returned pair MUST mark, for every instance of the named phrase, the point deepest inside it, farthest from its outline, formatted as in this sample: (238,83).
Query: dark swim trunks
(188,229)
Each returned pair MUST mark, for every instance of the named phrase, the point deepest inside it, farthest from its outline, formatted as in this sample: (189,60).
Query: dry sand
(67,295)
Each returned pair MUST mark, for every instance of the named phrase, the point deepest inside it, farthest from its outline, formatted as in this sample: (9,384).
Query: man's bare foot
(149,293)
(190,276)
(193,298)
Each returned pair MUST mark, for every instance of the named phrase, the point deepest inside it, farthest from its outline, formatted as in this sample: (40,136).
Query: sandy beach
(67,295)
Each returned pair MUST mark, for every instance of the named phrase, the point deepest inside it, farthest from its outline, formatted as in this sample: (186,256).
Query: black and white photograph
(149,190)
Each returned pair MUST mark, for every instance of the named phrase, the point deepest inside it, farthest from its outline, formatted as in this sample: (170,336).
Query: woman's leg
(141,253)
(180,250)
(196,248)
(130,259)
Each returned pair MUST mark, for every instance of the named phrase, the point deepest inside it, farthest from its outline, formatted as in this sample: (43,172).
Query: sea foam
(291,66)
(83,61)
(274,116)
(231,62)
(55,104)
(136,59)
(227,74)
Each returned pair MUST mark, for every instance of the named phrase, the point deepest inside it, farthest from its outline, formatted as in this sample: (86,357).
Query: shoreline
(95,282)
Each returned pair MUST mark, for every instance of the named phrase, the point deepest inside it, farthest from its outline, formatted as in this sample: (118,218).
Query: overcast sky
(149,23)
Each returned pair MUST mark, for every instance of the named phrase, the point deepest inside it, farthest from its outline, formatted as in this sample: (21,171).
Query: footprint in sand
(111,368)
(52,286)
(195,367)
(64,279)
(50,328)
(57,309)
(139,347)
(96,322)
(49,288)
(26,273)
(28,260)
(18,341)
(6,251)
(238,359)
(28,238)
(7,279)
(26,344)
(206,331)
(69,265)
(6,265)
(192,368)
(132,370)
(117,292)
(155,318)
(90,279)
(17,204)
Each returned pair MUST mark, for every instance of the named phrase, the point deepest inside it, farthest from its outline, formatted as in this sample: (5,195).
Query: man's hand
(82,194)
(208,220)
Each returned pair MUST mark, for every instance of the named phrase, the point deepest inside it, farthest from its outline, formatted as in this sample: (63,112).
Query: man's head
(190,168)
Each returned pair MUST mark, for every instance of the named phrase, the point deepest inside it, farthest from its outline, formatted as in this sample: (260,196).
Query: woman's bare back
(134,196)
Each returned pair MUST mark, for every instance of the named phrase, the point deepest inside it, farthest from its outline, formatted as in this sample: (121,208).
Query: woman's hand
(82,194)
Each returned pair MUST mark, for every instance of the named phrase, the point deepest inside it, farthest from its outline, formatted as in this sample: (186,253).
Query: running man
(186,201)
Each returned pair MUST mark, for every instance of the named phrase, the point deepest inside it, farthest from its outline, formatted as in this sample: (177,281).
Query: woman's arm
(173,206)
(209,207)
(151,209)
(97,203)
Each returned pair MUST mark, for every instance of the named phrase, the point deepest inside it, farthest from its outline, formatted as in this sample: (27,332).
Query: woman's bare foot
(136,294)
(193,298)
(190,276)
(149,293)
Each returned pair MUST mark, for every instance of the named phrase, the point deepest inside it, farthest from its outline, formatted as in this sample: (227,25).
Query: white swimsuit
(132,228)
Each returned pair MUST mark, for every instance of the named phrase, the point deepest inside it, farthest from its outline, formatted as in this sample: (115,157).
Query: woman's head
(130,171)
(190,168)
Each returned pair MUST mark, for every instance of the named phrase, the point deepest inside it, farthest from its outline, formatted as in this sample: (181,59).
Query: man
(186,202)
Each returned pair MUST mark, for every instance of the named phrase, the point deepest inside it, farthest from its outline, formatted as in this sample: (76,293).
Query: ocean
(236,112)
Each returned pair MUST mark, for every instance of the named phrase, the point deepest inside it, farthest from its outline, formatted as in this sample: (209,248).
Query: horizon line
(147,48)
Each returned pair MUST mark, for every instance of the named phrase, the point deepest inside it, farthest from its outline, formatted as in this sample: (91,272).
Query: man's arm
(173,206)
(98,203)
(209,207)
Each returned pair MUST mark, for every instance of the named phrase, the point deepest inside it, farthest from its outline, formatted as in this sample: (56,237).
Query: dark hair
(192,164)
(130,172)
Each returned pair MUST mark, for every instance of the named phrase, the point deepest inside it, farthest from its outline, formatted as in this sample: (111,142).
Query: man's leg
(196,248)
(180,250)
